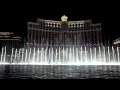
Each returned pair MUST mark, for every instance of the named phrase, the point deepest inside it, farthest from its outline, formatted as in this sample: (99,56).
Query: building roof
(53,21)
(6,33)
(117,41)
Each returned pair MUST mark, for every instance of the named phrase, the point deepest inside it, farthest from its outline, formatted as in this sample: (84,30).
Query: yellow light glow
(64,18)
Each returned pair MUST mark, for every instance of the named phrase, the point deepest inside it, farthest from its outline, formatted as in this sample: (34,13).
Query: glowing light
(64,18)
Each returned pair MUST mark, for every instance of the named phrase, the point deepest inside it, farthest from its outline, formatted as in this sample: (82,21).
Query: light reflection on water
(58,72)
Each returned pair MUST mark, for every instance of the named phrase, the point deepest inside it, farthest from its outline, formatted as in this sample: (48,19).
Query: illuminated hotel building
(75,33)
(116,42)
(8,39)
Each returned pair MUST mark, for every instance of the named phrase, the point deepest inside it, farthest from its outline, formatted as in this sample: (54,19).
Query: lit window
(77,25)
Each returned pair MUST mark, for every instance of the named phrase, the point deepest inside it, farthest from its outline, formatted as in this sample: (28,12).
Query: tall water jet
(29,55)
(108,55)
(49,58)
(63,55)
(46,55)
(19,55)
(73,58)
(25,56)
(95,55)
(77,55)
(104,53)
(59,55)
(34,58)
(72,55)
(12,55)
(91,57)
(85,56)
(38,55)
(113,56)
(15,56)
(2,55)
(41,55)
(118,56)
(100,61)
(81,55)
(22,55)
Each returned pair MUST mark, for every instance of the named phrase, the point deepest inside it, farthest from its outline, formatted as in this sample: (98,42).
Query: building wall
(48,32)
(9,40)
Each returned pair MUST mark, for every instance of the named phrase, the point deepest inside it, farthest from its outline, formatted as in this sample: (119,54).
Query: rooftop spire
(64,18)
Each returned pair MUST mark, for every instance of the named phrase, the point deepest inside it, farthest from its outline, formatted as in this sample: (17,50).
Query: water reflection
(58,72)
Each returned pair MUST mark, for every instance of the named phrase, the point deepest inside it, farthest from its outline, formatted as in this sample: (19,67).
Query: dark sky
(15,16)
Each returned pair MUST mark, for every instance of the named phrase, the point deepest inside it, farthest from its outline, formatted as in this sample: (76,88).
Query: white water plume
(64,55)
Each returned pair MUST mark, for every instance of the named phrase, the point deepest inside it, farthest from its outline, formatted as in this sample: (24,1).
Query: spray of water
(74,55)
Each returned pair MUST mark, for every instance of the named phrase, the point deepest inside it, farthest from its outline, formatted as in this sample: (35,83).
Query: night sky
(15,16)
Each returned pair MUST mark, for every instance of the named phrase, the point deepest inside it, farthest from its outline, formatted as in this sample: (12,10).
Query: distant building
(50,32)
(117,42)
(8,39)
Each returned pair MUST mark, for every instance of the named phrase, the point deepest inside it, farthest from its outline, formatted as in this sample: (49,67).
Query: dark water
(59,72)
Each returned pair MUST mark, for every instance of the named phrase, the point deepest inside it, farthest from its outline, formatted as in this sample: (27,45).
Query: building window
(30,25)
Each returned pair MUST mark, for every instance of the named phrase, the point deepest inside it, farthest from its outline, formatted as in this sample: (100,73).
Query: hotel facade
(63,33)
(9,39)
